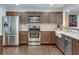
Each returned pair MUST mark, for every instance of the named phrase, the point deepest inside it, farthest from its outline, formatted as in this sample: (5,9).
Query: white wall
(65,19)
(2,13)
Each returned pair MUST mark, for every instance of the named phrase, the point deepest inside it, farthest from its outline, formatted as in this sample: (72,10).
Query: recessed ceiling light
(51,4)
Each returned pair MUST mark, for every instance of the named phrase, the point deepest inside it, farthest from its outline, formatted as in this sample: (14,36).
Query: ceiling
(41,7)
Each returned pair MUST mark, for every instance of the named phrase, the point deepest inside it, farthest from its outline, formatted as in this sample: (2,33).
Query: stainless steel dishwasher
(68,45)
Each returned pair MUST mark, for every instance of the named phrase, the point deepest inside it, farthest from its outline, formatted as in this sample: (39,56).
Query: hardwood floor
(32,50)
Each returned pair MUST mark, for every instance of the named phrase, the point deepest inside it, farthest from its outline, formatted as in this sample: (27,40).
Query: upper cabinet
(52,17)
(34,14)
(23,17)
(56,17)
(44,17)
(12,14)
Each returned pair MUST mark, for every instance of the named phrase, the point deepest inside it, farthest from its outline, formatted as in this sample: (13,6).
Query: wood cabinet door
(56,17)
(23,17)
(60,43)
(1,44)
(59,18)
(34,14)
(45,37)
(52,17)
(12,14)
(23,37)
(52,37)
(75,47)
(44,18)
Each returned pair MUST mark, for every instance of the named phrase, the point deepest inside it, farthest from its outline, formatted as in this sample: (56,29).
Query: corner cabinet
(45,17)
(23,37)
(75,48)
(47,37)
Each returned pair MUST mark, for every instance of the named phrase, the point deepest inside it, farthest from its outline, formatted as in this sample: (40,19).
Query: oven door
(34,38)
(34,34)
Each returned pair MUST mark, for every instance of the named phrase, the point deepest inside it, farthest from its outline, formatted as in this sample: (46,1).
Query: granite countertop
(71,34)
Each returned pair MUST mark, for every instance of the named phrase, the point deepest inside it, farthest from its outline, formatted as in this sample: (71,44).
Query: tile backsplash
(23,27)
(43,27)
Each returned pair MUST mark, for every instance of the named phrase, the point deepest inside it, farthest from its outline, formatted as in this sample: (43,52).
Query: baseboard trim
(47,44)
(10,46)
(23,43)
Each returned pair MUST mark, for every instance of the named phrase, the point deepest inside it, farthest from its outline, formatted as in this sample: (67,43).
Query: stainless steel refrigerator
(10,29)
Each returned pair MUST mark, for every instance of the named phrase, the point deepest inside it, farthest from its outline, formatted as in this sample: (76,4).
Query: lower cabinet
(60,43)
(1,44)
(68,45)
(75,48)
(23,37)
(52,37)
(47,37)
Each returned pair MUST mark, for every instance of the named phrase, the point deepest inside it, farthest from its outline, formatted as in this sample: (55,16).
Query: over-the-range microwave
(32,19)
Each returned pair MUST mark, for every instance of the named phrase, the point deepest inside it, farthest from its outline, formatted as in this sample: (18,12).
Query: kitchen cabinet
(12,14)
(52,17)
(60,42)
(56,17)
(1,44)
(59,18)
(44,17)
(34,13)
(75,48)
(47,37)
(23,37)
(52,37)
(23,17)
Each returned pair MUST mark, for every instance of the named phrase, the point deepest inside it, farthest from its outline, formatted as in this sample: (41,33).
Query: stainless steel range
(34,35)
